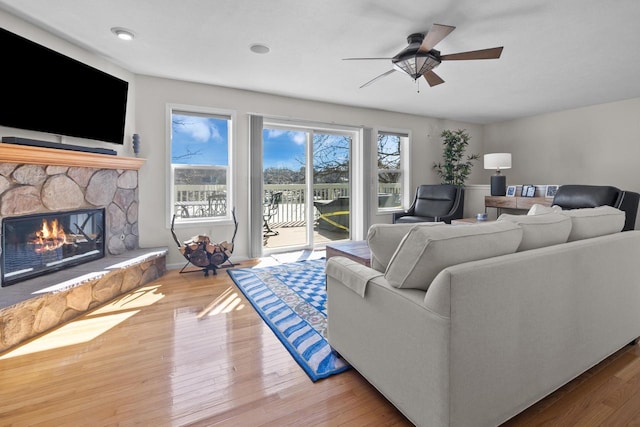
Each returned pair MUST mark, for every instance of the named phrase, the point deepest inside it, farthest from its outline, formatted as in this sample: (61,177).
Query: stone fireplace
(38,182)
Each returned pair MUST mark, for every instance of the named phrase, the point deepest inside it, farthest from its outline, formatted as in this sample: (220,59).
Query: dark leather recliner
(440,202)
(591,196)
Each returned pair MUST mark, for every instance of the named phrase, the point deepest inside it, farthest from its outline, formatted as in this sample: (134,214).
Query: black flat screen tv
(43,90)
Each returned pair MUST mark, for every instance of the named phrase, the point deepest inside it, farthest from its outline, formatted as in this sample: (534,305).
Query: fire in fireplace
(33,245)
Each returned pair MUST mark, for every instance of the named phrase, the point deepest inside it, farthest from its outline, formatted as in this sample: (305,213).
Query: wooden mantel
(10,153)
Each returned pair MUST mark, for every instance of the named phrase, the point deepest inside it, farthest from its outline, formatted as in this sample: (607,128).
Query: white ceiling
(558,54)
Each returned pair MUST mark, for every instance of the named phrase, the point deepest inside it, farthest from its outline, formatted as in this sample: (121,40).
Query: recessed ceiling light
(123,33)
(259,48)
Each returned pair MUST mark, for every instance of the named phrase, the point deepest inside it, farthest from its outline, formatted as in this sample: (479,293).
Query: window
(391,165)
(200,165)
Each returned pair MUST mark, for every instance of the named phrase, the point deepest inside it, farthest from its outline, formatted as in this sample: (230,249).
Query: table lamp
(498,161)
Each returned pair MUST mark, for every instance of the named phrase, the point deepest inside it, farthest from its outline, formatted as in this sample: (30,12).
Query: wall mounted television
(46,91)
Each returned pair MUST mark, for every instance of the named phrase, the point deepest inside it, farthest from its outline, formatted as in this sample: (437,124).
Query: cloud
(275,133)
(297,137)
(199,129)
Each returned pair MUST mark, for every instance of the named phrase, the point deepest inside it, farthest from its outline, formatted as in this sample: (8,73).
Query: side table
(517,203)
(356,250)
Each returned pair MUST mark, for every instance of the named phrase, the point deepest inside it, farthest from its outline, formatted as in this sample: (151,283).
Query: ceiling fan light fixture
(416,64)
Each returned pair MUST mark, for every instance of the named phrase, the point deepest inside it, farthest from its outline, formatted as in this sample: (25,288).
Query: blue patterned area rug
(291,298)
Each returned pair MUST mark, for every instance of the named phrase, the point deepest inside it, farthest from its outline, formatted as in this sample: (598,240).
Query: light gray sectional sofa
(468,325)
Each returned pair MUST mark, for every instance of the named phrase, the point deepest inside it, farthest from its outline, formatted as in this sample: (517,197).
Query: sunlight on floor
(228,301)
(77,332)
(92,325)
(140,297)
(285,257)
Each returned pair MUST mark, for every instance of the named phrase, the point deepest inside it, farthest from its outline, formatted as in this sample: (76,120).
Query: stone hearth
(37,305)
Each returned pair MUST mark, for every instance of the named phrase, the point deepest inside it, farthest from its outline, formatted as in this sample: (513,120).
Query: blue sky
(283,149)
(199,140)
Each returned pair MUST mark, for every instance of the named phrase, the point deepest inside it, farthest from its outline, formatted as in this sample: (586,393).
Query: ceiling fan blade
(376,78)
(434,36)
(368,59)
(493,53)
(432,78)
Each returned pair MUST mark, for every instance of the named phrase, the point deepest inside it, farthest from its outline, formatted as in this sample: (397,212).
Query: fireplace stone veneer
(27,189)
(37,180)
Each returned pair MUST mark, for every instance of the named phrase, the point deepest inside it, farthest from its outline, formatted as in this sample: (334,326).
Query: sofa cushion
(383,239)
(540,230)
(425,251)
(538,209)
(594,222)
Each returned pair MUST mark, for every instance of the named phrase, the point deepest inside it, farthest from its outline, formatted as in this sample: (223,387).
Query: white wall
(474,199)
(153,94)
(597,145)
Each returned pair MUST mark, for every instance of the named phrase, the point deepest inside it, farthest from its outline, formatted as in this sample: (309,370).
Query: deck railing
(210,200)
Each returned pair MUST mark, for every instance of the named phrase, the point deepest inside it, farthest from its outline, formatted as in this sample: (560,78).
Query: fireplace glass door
(33,245)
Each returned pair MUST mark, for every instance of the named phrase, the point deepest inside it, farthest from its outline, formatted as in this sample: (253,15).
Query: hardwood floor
(190,350)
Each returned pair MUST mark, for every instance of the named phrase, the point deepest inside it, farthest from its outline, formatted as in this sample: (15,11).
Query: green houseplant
(455,167)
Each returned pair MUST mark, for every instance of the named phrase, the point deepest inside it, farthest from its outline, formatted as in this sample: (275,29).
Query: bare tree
(331,155)
(388,158)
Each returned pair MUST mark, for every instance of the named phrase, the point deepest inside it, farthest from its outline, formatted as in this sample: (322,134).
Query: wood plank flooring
(189,350)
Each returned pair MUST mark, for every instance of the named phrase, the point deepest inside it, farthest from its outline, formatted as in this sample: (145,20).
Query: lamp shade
(416,64)
(415,61)
(497,161)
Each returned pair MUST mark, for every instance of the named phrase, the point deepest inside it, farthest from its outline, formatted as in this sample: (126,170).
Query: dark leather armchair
(441,202)
(591,196)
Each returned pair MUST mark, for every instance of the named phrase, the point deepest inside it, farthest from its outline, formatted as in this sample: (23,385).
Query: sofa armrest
(353,275)
(396,343)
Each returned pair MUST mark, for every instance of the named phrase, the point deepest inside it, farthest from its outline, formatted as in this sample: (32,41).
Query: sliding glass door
(306,187)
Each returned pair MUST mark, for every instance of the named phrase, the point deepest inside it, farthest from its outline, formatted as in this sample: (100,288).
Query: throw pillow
(425,251)
(594,222)
(383,239)
(540,230)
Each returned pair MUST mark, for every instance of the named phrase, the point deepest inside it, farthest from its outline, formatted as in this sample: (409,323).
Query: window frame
(404,171)
(210,112)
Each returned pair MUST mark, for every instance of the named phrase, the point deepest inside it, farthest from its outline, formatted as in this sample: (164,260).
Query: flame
(50,237)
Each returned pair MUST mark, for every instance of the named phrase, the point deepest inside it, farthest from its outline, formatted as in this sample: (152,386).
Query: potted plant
(455,167)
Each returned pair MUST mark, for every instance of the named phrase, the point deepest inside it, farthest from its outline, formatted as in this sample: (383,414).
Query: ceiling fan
(420,58)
